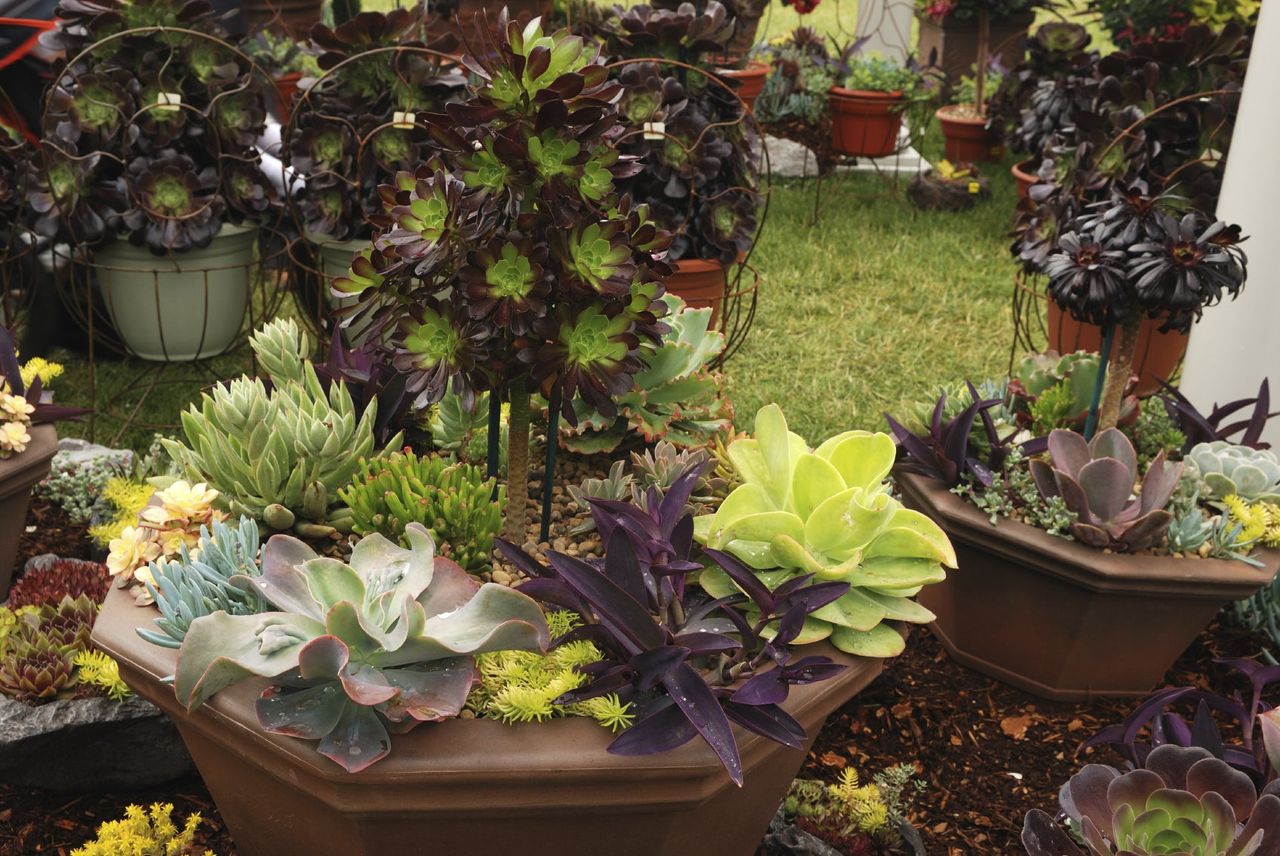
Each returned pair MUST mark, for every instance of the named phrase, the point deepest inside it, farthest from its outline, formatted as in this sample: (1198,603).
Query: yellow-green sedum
(827,512)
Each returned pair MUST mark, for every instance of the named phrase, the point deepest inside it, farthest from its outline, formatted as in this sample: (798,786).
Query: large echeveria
(828,512)
(382,643)
(1182,802)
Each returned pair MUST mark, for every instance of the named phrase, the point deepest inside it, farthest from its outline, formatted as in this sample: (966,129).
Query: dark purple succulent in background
(507,282)
(1186,264)
(175,206)
(74,198)
(690,666)
(1088,276)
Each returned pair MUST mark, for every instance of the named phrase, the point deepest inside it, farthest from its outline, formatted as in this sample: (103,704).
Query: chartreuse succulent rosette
(359,649)
(827,512)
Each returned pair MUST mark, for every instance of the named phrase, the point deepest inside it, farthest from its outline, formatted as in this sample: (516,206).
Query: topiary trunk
(1119,368)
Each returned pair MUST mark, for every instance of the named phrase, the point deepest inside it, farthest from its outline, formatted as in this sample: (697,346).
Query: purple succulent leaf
(523,562)
(1263,822)
(1172,728)
(792,585)
(622,566)
(1159,483)
(808,670)
(431,692)
(626,511)
(768,721)
(366,685)
(1069,451)
(1107,484)
(323,658)
(1034,446)
(692,695)
(1042,837)
(744,578)
(767,688)
(358,740)
(1112,443)
(935,418)
(9,367)
(1172,763)
(789,625)
(660,731)
(1134,788)
(1213,775)
(1091,535)
(1146,531)
(555,593)
(308,714)
(1258,422)
(682,542)
(672,508)
(613,680)
(956,438)
(617,610)
(706,642)
(1042,475)
(697,616)
(1074,497)
(1088,789)
(652,667)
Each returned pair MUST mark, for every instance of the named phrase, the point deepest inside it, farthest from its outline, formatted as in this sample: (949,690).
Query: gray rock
(786,839)
(90,744)
(73,450)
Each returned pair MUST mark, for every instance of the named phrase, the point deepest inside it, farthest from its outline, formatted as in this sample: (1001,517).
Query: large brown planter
(865,124)
(18,475)
(956,43)
(966,138)
(750,78)
(1156,358)
(1065,621)
(474,787)
(700,283)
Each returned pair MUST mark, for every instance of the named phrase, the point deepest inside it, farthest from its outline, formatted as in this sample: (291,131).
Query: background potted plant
(952,33)
(867,105)
(287,60)
(149,159)
(966,129)
(699,161)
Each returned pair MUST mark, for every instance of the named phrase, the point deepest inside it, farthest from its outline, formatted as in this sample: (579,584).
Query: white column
(1237,343)
(886,24)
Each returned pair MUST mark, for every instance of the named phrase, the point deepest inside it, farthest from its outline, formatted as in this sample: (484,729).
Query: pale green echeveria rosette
(357,650)
(828,512)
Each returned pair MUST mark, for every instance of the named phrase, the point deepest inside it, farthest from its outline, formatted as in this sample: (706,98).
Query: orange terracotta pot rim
(945,114)
(753,67)
(865,94)
(696,265)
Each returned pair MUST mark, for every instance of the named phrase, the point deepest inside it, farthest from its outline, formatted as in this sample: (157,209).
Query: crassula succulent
(827,512)
(356,650)
(1096,479)
(1224,469)
(1182,800)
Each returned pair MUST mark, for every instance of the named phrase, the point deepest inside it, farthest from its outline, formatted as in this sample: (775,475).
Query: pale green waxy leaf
(814,630)
(221,649)
(758,555)
(863,459)
(900,608)
(900,543)
(766,527)
(843,525)
(746,500)
(896,572)
(852,609)
(790,553)
(881,641)
(813,482)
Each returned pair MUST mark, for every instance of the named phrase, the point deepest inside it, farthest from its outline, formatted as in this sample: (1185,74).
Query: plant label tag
(655,130)
(169,101)
(403,120)
(974,188)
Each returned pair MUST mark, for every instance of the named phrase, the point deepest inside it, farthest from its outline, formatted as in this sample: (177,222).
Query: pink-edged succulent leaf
(1042,837)
(1074,497)
(220,650)
(432,692)
(1094,536)
(1159,483)
(309,713)
(1132,789)
(1107,484)
(450,587)
(357,740)
(1042,474)
(1087,791)
(1069,451)
(1172,763)
(282,583)
(323,658)
(1215,776)
(1270,722)
(1263,821)
(366,685)
(1112,443)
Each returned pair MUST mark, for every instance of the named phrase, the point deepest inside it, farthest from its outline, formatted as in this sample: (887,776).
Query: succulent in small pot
(868,102)
(175,207)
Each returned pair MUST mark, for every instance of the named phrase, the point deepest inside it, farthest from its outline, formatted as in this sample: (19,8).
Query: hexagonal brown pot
(1062,620)
(18,475)
(472,786)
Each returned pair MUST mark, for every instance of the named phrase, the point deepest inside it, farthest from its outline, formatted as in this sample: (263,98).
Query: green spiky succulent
(200,584)
(1223,469)
(278,456)
(827,512)
(676,398)
(387,640)
(1189,530)
(455,502)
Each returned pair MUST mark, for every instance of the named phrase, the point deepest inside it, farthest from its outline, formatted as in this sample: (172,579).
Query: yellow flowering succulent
(14,438)
(39,367)
(182,499)
(144,832)
(862,804)
(131,551)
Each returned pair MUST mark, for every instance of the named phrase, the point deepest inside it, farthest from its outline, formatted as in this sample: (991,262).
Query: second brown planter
(865,124)
(17,476)
(474,787)
(1062,620)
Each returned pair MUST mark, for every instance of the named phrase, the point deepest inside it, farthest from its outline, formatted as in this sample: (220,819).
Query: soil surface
(987,752)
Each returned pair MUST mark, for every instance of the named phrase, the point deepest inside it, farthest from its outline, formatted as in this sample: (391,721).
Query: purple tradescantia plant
(1096,479)
(1155,722)
(945,452)
(1201,428)
(690,666)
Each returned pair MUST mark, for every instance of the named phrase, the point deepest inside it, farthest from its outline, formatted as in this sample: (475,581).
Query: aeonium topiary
(357,650)
(827,513)
(509,263)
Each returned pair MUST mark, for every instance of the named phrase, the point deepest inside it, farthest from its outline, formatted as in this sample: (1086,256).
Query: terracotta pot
(1156,359)
(286,89)
(18,475)
(865,124)
(294,16)
(1025,175)
(1062,620)
(750,80)
(956,42)
(966,138)
(472,786)
(701,283)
